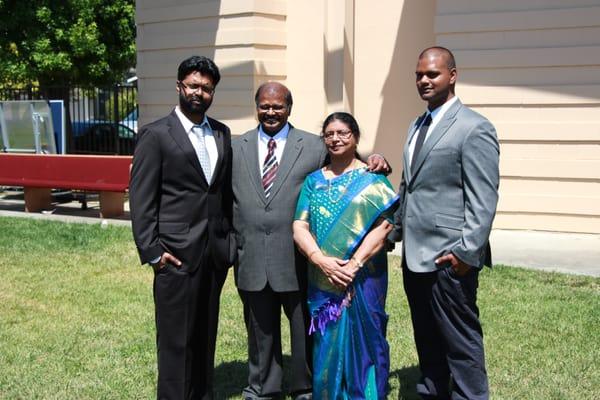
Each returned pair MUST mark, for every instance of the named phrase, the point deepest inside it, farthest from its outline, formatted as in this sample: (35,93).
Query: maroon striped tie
(269,169)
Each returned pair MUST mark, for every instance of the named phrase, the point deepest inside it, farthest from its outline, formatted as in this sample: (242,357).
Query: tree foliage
(66,42)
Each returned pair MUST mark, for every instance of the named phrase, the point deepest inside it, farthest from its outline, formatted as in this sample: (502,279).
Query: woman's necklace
(341,192)
(341,188)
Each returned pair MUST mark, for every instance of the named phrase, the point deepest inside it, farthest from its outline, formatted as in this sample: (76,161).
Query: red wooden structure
(39,173)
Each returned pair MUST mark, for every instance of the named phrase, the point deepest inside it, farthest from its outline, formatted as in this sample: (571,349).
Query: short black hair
(288,95)
(450,60)
(201,64)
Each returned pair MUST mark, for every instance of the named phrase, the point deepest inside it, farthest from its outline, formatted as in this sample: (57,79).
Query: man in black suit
(181,204)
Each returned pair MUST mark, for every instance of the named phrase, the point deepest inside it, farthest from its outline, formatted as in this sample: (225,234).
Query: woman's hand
(339,273)
(335,270)
(352,267)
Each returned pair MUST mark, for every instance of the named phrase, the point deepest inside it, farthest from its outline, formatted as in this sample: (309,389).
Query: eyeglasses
(343,135)
(193,88)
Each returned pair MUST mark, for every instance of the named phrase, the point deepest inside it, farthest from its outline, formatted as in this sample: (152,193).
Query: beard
(194,105)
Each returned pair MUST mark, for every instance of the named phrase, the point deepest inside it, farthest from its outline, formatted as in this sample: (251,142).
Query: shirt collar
(279,136)
(187,124)
(441,110)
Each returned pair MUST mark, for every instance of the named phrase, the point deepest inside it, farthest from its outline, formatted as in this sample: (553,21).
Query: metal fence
(98,120)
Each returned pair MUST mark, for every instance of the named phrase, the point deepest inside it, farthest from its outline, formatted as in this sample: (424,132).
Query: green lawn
(76,322)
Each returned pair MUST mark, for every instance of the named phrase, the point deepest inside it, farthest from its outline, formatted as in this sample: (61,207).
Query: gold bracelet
(359,264)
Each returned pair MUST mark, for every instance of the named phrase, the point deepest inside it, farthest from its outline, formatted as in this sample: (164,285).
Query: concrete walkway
(570,253)
(548,251)
(13,205)
(561,252)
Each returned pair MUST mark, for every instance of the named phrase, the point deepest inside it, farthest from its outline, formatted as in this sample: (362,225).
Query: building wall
(247,40)
(531,66)
(352,55)
(358,56)
(389,35)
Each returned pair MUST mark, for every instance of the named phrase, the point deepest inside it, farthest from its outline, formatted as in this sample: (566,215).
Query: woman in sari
(341,222)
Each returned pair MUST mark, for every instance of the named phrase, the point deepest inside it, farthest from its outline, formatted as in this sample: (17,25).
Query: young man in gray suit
(270,163)
(449,192)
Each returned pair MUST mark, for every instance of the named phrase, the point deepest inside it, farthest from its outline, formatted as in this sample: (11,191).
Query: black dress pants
(262,315)
(448,334)
(187,313)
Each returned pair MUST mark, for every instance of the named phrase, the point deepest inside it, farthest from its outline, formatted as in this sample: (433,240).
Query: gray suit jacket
(263,228)
(448,202)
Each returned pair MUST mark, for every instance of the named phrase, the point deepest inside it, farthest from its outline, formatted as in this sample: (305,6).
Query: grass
(77,322)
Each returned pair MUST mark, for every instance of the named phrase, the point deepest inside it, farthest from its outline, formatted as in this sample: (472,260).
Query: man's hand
(459,267)
(166,258)
(376,163)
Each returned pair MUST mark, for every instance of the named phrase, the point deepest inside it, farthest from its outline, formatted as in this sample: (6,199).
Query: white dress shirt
(263,144)
(436,117)
(209,137)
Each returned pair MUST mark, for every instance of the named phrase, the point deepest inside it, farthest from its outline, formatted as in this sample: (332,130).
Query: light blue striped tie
(203,156)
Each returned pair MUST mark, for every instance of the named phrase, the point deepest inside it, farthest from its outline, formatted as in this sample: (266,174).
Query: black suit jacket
(173,208)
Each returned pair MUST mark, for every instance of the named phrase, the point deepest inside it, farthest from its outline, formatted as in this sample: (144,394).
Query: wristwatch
(359,264)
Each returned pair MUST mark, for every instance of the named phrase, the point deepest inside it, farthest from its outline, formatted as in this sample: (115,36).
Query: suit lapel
(415,125)
(435,136)
(183,141)
(250,152)
(411,132)
(291,151)
(219,140)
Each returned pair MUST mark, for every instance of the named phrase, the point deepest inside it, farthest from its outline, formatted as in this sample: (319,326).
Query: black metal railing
(98,120)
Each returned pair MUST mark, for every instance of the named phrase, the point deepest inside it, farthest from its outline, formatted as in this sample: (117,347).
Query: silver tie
(203,156)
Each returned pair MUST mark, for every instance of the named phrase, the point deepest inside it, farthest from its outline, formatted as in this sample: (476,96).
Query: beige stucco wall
(247,40)
(530,66)
(533,68)
(358,56)
(334,55)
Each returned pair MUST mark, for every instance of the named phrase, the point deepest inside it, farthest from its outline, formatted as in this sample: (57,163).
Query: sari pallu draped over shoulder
(351,354)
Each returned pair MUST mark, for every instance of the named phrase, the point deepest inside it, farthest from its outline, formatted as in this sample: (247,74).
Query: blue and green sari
(351,353)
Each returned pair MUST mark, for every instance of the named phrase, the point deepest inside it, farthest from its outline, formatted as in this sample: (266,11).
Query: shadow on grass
(407,377)
(230,378)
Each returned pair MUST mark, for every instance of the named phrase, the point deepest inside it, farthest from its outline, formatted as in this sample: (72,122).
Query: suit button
(267,209)
(268,232)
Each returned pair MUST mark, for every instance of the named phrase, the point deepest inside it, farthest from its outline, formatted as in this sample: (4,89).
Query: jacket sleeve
(227,185)
(480,163)
(396,234)
(144,195)
(228,199)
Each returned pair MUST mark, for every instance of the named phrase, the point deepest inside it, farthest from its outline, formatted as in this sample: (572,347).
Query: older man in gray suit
(449,193)
(270,163)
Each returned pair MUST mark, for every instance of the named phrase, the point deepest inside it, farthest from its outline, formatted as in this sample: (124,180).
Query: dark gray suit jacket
(263,228)
(448,202)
